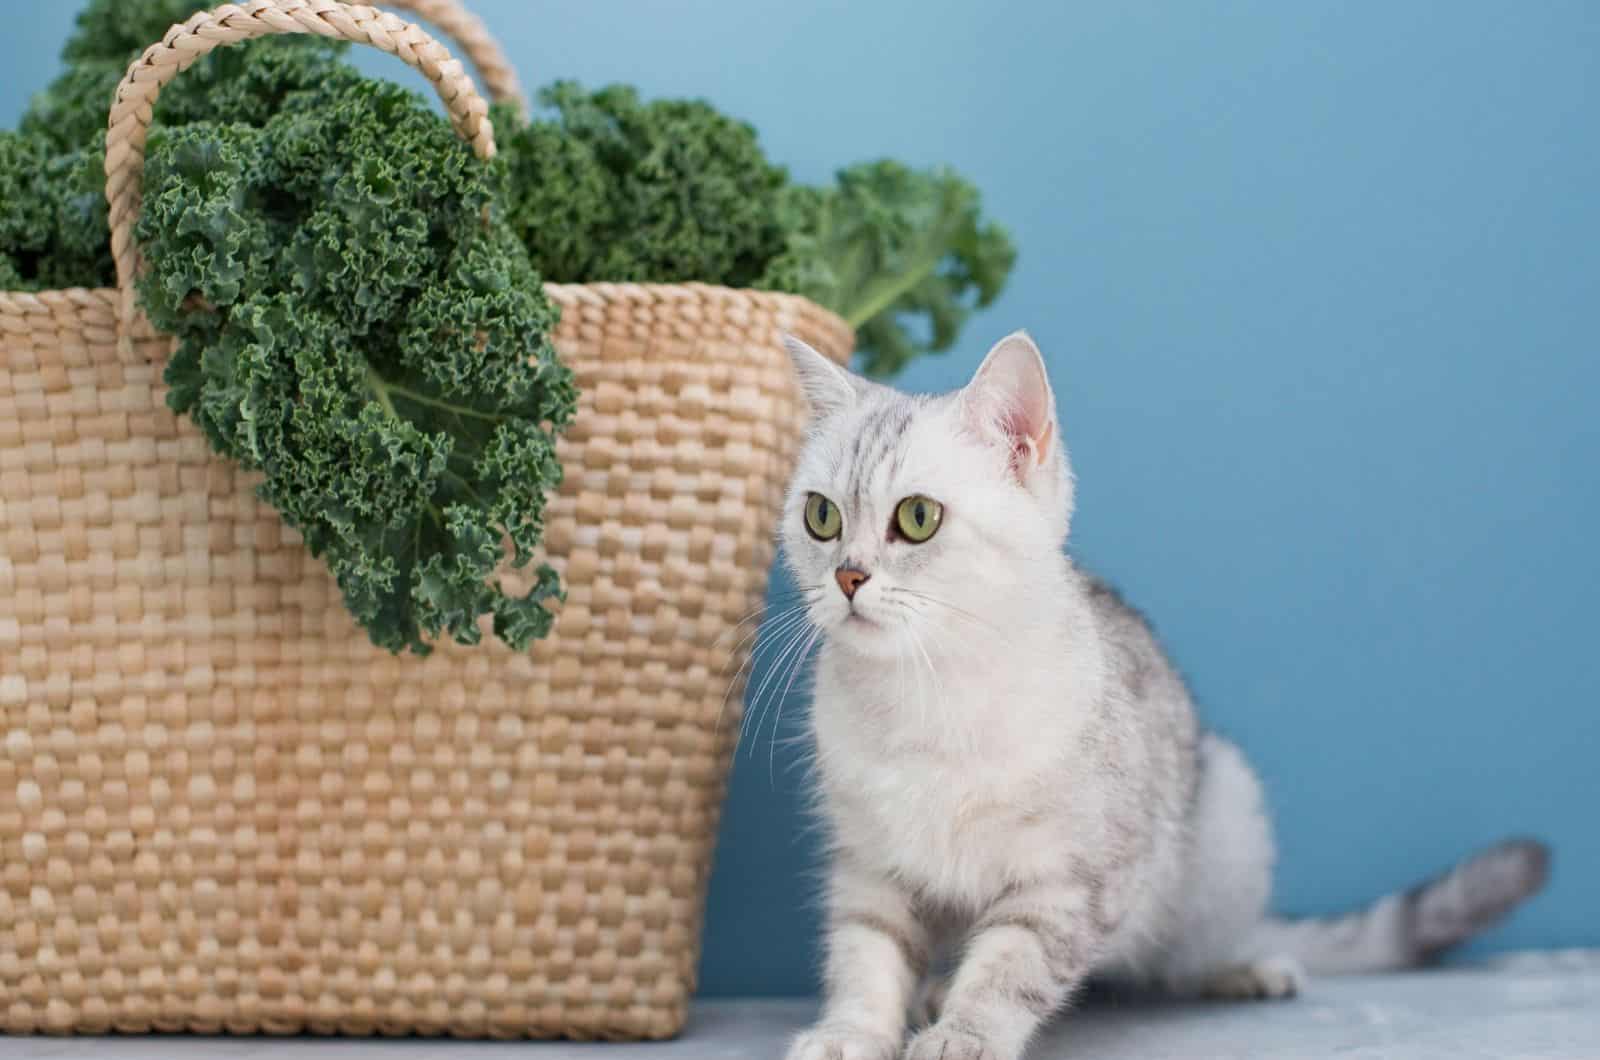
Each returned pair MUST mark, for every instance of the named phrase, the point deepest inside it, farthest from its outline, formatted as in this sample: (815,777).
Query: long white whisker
(784,653)
(900,677)
(934,626)
(968,615)
(794,671)
(786,663)
(933,672)
(761,615)
(783,624)
(794,626)
(777,621)
(916,669)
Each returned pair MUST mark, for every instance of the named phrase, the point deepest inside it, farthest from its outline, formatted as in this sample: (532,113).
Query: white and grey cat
(1011,772)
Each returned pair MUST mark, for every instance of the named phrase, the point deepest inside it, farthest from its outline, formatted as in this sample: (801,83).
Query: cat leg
(1025,956)
(1225,887)
(878,949)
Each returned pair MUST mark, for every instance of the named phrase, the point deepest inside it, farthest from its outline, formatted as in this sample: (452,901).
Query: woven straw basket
(222,809)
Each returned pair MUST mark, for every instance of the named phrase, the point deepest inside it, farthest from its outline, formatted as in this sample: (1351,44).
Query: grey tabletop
(1534,1006)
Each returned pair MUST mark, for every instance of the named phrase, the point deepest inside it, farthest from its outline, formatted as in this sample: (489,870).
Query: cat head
(921,523)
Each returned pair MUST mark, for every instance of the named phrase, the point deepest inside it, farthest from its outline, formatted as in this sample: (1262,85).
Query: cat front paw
(940,1043)
(833,1042)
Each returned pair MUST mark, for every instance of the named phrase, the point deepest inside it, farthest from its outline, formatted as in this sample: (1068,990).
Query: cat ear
(1010,394)
(828,388)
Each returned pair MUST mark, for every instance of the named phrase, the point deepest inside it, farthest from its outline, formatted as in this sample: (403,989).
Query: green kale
(76,106)
(120,30)
(25,222)
(229,84)
(612,188)
(666,191)
(892,249)
(54,170)
(359,323)
(561,202)
(603,186)
(53,219)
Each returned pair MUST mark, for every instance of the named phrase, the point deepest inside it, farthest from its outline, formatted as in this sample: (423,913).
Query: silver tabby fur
(1011,773)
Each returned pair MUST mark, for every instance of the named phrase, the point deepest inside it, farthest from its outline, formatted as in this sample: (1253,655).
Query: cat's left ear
(1010,395)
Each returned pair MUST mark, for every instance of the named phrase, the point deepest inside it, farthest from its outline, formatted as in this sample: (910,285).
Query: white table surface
(1535,1006)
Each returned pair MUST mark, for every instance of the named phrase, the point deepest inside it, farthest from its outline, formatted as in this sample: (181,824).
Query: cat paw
(831,1042)
(1268,979)
(938,1043)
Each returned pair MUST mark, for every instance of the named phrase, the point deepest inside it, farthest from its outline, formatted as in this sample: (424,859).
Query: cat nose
(849,580)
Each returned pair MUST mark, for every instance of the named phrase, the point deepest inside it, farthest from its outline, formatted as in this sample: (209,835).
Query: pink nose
(849,580)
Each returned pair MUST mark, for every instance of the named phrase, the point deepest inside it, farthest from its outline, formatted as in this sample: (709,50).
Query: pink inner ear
(1016,427)
(1029,437)
(1011,392)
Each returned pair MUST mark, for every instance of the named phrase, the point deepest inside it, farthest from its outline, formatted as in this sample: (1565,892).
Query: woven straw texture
(221,809)
(472,39)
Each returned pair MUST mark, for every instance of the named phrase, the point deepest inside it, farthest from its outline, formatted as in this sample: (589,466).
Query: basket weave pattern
(221,809)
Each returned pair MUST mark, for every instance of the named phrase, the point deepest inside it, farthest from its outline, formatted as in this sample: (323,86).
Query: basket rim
(24,304)
(607,290)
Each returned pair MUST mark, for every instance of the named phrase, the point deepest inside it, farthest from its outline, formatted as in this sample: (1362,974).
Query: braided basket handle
(472,39)
(207,30)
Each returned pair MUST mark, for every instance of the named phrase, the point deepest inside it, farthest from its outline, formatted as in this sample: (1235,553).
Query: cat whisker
(900,676)
(785,623)
(764,637)
(931,622)
(948,606)
(916,671)
(777,620)
(794,671)
(790,665)
(933,673)
(733,683)
(754,705)
(761,613)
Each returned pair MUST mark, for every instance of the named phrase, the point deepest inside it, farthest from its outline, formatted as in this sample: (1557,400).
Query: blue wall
(1320,288)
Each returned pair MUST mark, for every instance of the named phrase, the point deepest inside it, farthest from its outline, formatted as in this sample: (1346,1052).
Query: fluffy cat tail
(1413,928)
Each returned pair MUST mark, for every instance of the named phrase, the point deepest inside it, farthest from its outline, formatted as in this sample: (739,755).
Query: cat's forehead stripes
(879,436)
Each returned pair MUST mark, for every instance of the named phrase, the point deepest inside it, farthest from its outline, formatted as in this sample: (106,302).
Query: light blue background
(1320,288)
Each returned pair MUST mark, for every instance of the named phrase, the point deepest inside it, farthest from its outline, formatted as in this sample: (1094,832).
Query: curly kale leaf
(52,215)
(52,175)
(903,255)
(561,202)
(108,35)
(120,30)
(75,107)
(615,188)
(360,325)
(253,82)
(230,84)
(25,226)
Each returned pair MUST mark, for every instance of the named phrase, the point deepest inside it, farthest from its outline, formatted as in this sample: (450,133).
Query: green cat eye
(823,520)
(917,518)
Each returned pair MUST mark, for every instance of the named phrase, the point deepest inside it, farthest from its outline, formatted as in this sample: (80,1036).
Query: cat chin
(867,637)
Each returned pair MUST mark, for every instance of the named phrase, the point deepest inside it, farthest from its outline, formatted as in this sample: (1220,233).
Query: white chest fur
(958,811)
